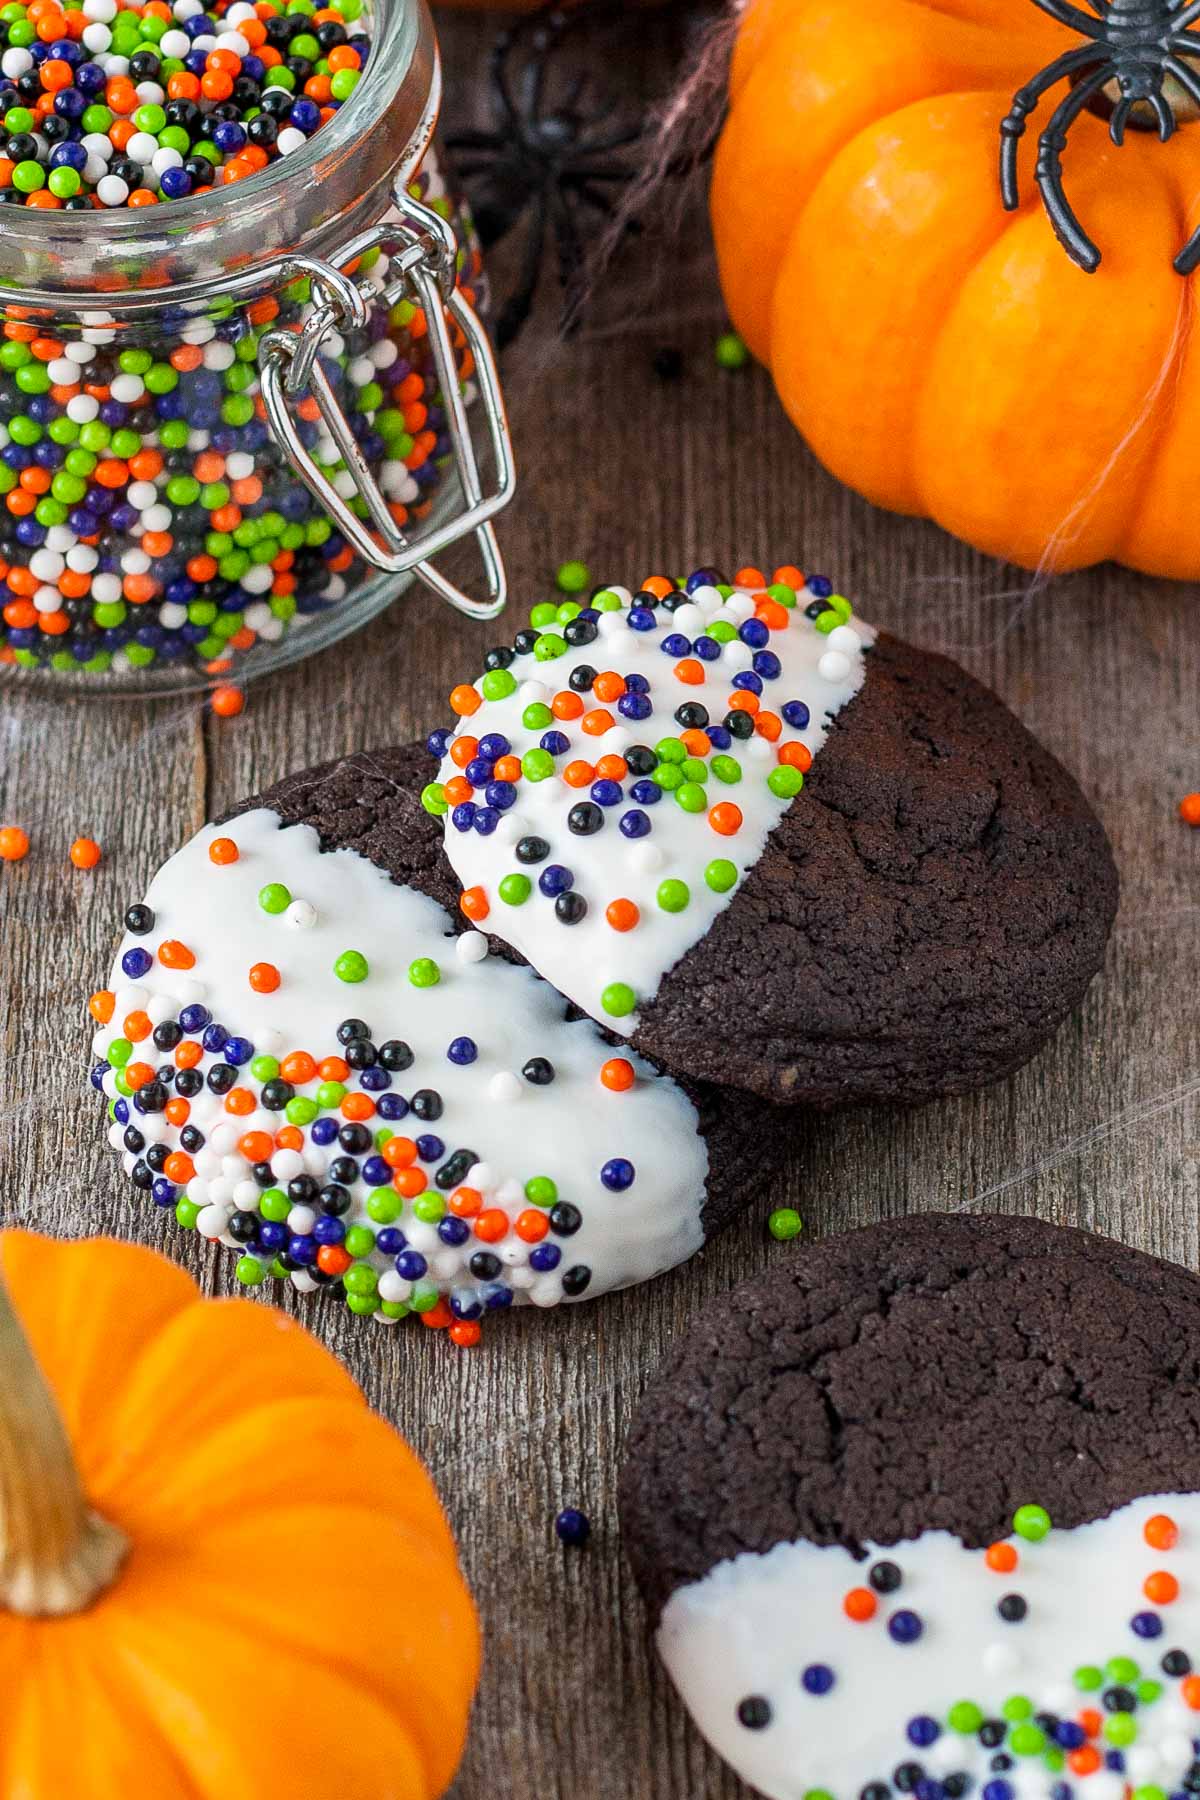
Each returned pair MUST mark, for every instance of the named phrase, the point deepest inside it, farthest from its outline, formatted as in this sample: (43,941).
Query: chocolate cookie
(770,848)
(919,1512)
(305,1061)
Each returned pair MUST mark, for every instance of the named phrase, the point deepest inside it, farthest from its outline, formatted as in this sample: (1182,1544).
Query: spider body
(1134,46)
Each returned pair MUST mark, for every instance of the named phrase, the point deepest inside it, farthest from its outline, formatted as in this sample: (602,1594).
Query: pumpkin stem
(56,1555)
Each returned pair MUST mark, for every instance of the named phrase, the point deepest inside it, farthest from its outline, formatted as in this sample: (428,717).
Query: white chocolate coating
(754,1624)
(566,1130)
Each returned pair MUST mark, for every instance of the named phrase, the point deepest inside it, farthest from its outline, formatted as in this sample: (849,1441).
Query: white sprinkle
(301,915)
(505,1086)
(834,666)
(471,947)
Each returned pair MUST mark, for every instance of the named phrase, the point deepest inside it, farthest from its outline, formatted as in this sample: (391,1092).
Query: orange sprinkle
(658,585)
(179,1167)
(358,1107)
(860,1603)
(465,1202)
(188,1055)
(239,1101)
(608,686)
(290,1138)
(768,725)
(1161,1532)
(256,1146)
(463,750)
(14,843)
(597,722)
(1091,1720)
(137,1027)
(1189,809)
(409,1183)
(464,700)
(331,1257)
(1084,1761)
(474,904)
(298,1067)
(1161,1588)
(750,577)
(797,756)
(458,789)
(613,768)
(264,979)
(177,1111)
(137,1074)
(1189,1687)
(102,1005)
(742,700)
(622,915)
(227,702)
(566,705)
(174,955)
(788,575)
(466,1333)
(333,1068)
(726,818)
(508,768)
(690,671)
(85,853)
(772,615)
(697,743)
(223,851)
(617,1075)
(437,1318)
(532,1225)
(491,1224)
(399,1153)
(1001,1558)
(578,773)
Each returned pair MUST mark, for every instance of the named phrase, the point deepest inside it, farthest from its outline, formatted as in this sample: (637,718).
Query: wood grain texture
(635,474)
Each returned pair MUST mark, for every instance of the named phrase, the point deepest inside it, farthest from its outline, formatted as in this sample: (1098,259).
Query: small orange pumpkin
(942,356)
(259,1596)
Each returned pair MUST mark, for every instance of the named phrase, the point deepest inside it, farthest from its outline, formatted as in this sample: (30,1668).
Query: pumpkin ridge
(103,1673)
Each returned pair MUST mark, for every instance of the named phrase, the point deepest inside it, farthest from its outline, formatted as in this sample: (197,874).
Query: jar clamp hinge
(422,249)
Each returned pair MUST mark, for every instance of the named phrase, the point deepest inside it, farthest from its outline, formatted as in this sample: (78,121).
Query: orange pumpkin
(259,1596)
(942,356)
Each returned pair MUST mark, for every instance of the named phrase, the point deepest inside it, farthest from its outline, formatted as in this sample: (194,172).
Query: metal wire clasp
(422,250)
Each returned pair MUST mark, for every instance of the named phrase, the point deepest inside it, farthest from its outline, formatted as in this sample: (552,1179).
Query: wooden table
(1103,1130)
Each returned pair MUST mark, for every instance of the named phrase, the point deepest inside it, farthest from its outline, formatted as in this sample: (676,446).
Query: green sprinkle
(536,716)
(782,594)
(827,621)
(329,1095)
(384,1205)
(395,1309)
(785,781)
(274,1205)
(1122,1669)
(264,1068)
(1148,1692)
(498,684)
(537,765)
(540,1191)
(607,601)
(673,895)
(618,999)
(692,768)
(544,614)
(570,609)
(668,776)
(721,875)
(433,799)
(1017,1708)
(965,1717)
(301,1111)
(352,966)
(187,1212)
(573,577)
(730,351)
(671,750)
(1088,1678)
(726,769)
(1027,1740)
(424,1298)
(515,889)
(429,1207)
(548,646)
(1121,1729)
(119,1052)
(1030,1522)
(361,1303)
(274,898)
(784,1224)
(692,797)
(424,972)
(250,1271)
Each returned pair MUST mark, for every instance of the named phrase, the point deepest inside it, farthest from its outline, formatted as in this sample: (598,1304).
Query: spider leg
(1051,144)
(1087,23)
(1162,112)
(620,140)
(1012,127)
(1182,12)
(516,309)
(1189,81)
(469,139)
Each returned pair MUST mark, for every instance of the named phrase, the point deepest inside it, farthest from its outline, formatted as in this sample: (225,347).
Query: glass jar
(245,416)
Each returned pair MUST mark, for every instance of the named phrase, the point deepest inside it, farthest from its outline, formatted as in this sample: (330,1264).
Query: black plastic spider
(1135,43)
(553,153)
